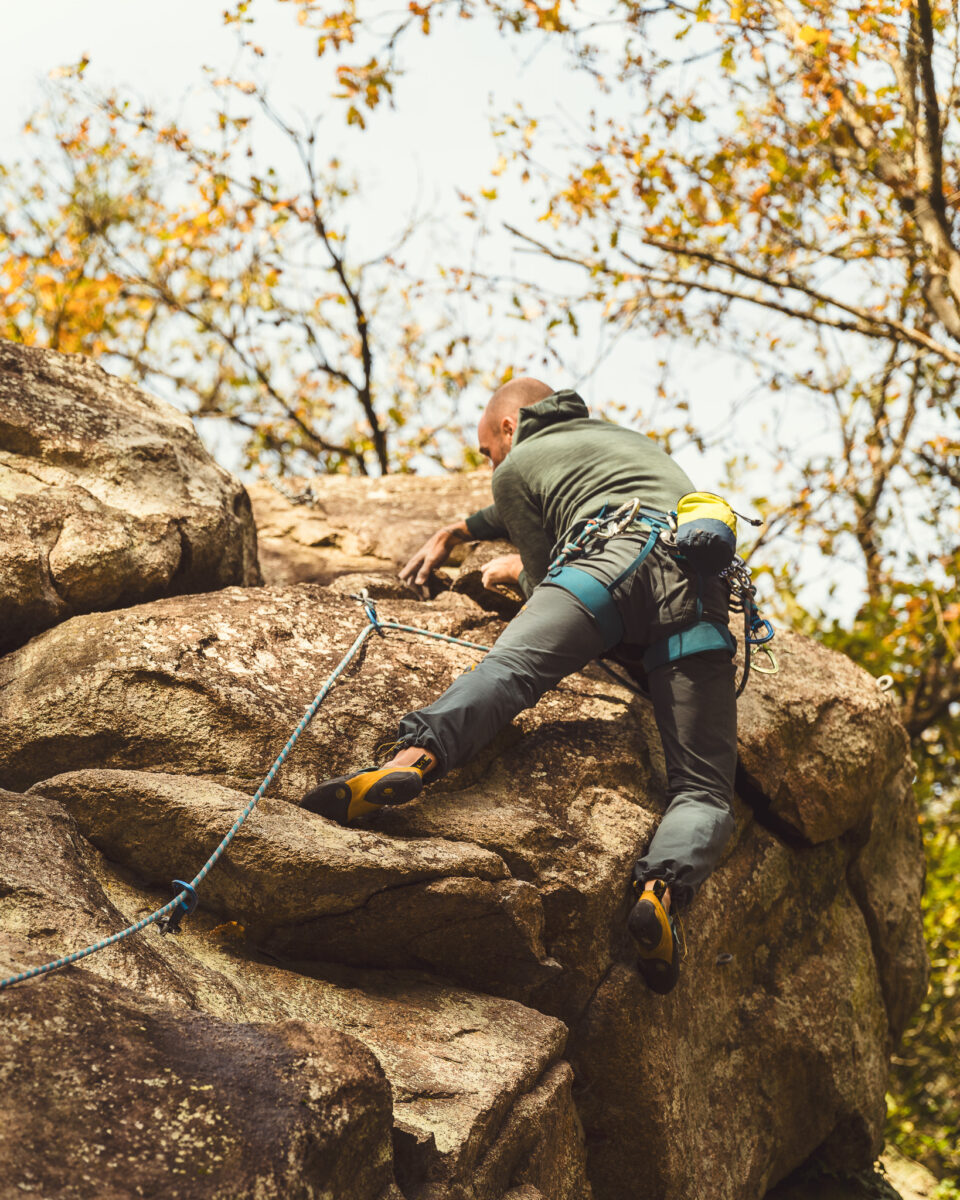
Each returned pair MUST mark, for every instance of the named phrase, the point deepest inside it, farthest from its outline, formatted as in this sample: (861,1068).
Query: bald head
(517,394)
(499,421)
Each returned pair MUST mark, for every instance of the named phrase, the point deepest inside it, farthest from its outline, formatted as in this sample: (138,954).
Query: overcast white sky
(436,142)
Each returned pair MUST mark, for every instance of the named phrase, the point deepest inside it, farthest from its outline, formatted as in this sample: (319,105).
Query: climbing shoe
(355,799)
(658,939)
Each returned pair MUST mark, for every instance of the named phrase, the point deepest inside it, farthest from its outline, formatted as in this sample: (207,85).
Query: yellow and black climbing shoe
(353,799)
(658,940)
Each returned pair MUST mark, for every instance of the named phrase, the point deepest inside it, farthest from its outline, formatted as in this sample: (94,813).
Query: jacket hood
(561,406)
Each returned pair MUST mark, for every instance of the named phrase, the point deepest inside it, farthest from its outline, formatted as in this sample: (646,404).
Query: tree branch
(866,323)
(918,203)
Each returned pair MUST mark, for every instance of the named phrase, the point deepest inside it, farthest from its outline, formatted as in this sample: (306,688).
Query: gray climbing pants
(693,698)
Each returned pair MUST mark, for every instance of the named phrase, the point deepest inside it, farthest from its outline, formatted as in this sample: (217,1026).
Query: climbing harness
(596,596)
(703,532)
(168,917)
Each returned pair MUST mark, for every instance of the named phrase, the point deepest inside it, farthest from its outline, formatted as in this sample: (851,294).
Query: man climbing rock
(630,596)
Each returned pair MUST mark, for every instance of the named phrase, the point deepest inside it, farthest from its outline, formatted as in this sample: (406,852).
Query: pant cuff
(680,893)
(414,731)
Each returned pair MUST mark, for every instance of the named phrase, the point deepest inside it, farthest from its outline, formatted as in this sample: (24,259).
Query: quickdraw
(756,630)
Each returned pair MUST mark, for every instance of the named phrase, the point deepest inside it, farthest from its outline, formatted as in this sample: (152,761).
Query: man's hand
(434,553)
(505,568)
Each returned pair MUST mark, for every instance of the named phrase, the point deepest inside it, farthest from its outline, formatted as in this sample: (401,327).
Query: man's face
(496,438)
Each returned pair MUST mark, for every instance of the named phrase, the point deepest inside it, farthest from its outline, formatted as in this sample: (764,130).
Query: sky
(435,144)
(417,158)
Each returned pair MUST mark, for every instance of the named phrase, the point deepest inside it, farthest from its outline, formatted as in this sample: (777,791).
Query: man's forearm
(459,531)
(485,525)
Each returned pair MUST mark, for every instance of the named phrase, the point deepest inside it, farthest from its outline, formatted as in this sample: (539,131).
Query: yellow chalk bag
(706,531)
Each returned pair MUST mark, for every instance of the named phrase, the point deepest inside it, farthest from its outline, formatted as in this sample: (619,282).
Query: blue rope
(185,901)
(440,637)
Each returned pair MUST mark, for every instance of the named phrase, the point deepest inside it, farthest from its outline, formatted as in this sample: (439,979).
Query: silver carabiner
(619,521)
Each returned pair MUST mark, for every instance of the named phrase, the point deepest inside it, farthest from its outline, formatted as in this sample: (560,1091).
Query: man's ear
(508,426)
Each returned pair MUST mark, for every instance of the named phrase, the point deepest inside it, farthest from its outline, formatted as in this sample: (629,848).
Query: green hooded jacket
(563,466)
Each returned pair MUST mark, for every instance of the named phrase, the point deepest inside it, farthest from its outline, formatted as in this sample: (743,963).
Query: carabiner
(773,669)
(619,521)
(171,922)
(767,634)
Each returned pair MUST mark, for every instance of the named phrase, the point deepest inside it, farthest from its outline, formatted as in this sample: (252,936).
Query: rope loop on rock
(168,917)
(369,608)
(171,923)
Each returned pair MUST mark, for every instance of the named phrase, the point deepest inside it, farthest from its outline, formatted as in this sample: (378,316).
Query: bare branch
(866,323)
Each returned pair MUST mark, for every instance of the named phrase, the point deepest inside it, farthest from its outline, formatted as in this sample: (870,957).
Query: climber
(554,465)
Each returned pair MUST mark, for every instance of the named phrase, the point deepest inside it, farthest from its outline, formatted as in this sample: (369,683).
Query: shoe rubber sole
(351,799)
(658,943)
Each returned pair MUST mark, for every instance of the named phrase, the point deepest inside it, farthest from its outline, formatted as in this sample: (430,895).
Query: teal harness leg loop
(705,635)
(595,597)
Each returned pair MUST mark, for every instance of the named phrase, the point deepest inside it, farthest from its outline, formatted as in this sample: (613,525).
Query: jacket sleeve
(521,514)
(485,524)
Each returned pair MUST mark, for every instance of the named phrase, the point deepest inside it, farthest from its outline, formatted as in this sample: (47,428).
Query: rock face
(102,1098)
(306,887)
(481,1097)
(344,524)
(107,497)
(446,1006)
(353,533)
(152,726)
